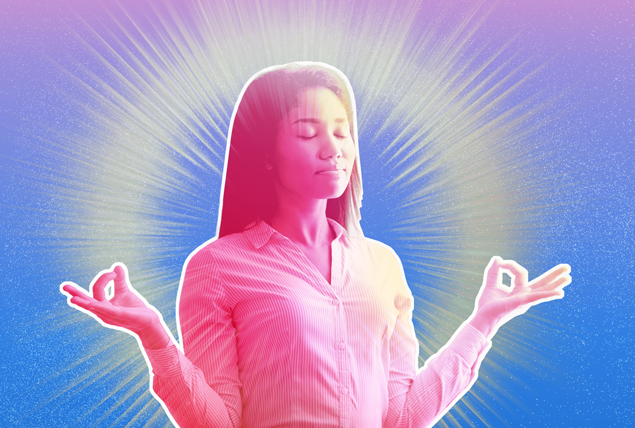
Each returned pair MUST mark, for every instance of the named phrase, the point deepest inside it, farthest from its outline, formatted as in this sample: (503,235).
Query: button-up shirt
(268,342)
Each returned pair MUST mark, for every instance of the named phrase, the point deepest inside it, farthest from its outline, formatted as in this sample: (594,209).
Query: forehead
(318,103)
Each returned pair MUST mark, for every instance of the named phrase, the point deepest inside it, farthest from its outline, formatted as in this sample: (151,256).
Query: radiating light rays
(447,140)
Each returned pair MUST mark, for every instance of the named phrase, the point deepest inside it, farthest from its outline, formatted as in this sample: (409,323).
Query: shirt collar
(260,233)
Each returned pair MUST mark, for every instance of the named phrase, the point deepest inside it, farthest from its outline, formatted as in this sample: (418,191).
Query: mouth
(334,169)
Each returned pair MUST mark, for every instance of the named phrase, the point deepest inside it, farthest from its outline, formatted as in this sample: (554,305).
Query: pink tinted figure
(291,317)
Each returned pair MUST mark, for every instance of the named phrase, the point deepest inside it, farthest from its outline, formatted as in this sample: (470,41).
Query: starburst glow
(450,130)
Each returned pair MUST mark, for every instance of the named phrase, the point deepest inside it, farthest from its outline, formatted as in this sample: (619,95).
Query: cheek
(291,165)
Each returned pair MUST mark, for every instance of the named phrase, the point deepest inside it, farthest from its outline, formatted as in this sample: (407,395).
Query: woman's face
(314,151)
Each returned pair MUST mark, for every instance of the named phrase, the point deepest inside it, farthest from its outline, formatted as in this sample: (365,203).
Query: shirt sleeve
(419,398)
(200,387)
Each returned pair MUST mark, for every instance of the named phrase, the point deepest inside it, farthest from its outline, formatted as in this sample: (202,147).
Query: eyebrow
(314,120)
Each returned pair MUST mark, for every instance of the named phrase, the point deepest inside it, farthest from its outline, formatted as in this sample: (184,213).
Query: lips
(332,169)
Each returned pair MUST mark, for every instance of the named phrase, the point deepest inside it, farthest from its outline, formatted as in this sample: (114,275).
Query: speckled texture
(484,129)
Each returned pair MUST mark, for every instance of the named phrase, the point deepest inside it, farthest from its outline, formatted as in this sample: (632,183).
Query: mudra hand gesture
(497,303)
(126,310)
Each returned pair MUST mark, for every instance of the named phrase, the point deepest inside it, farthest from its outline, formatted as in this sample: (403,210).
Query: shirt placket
(333,292)
(341,342)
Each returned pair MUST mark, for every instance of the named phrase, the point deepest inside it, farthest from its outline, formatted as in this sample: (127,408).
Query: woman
(290,317)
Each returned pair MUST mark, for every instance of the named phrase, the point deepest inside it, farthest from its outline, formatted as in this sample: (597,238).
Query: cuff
(165,362)
(470,343)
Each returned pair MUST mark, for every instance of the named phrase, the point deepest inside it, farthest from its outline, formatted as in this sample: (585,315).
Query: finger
(111,314)
(83,302)
(105,310)
(72,289)
(551,275)
(76,296)
(98,287)
(97,309)
(492,271)
(121,280)
(543,296)
(528,300)
(558,283)
(519,273)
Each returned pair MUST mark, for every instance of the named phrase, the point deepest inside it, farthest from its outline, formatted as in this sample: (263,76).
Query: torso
(262,321)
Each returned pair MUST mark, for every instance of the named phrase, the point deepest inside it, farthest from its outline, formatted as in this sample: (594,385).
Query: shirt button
(334,302)
(342,345)
(344,391)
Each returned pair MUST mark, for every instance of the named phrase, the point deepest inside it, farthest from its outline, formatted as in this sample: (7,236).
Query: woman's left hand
(497,303)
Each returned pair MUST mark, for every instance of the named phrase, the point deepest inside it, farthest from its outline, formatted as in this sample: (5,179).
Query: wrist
(487,325)
(155,336)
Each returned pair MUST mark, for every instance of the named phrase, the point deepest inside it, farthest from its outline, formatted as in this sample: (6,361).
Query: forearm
(184,392)
(446,376)
(443,380)
(178,384)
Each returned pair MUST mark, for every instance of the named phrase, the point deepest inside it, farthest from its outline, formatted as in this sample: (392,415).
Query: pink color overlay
(269,342)
(297,321)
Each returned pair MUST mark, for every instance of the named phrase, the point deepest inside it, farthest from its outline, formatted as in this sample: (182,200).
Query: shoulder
(389,260)
(201,276)
(378,251)
(382,257)
(216,248)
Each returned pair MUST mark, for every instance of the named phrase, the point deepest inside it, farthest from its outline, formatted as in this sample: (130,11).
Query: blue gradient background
(581,371)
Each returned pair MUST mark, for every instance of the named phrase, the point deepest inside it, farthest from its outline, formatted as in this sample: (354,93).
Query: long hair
(248,189)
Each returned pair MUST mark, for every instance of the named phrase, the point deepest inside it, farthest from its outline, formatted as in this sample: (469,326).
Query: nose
(331,147)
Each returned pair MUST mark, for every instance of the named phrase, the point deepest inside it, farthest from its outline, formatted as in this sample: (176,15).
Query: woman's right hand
(127,310)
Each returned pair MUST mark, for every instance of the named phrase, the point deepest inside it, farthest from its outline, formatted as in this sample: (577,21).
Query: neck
(304,222)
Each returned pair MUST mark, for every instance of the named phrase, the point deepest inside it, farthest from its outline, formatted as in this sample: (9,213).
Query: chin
(336,193)
(329,190)
(327,193)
